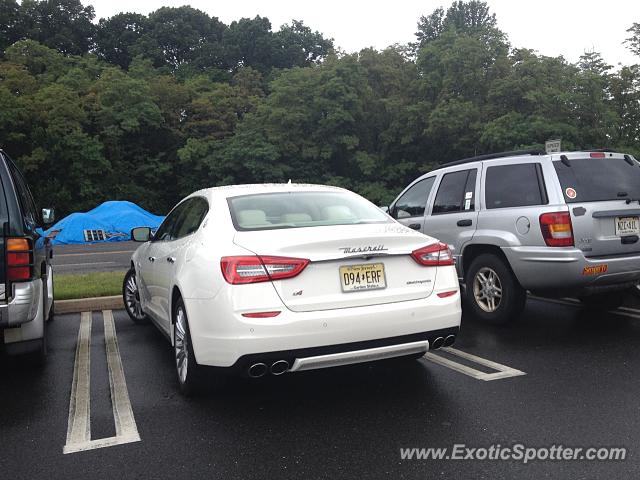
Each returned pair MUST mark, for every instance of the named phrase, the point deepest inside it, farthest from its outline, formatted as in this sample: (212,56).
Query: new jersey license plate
(355,278)
(627,226)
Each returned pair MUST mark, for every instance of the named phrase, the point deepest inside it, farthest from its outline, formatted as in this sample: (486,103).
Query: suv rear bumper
(545,268)
(23,306)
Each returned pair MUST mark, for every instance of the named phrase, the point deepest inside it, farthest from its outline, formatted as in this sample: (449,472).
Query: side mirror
(141,234)
(384,209)
(48,216)
(402,214)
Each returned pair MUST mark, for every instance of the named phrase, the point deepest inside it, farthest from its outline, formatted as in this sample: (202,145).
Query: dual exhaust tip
(258,370)
(443,342)
(279,367)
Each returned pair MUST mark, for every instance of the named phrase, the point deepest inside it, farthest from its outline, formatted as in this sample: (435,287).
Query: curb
(88,304)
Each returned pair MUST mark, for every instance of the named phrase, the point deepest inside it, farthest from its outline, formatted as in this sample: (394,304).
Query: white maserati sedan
(268,279)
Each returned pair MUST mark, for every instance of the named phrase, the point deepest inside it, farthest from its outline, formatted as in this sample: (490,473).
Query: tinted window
(166,230)
(191,217)
(597,179)
(412,203)
(456,192)
(514,186)
(302,209)
(27,204)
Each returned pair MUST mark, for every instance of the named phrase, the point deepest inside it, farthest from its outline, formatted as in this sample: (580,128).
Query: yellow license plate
(355,278)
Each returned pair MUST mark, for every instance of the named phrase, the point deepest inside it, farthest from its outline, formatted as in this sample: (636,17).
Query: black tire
(484,303)
(132,304)
(190,375)
(602,302)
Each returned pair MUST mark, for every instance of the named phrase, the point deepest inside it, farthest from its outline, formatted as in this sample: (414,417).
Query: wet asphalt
(580,389)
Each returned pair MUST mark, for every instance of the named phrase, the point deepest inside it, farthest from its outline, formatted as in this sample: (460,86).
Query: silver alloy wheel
(132,297)
(487,289)
(181,344)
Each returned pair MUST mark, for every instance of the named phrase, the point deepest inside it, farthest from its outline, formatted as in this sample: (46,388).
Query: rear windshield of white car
(268,211)
(598,179)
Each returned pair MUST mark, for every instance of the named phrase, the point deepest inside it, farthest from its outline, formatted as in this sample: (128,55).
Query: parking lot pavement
(97,257)
(569,378)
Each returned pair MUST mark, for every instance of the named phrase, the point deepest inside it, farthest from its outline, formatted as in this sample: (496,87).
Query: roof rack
(514,153)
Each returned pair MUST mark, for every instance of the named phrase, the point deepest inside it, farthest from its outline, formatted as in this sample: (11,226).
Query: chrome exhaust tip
(437,343)
(257,370)
(449,340)
(279,367)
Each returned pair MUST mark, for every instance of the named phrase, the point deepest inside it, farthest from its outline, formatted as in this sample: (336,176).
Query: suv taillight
(254,269)
(436,255)
(19,259)
(556,229)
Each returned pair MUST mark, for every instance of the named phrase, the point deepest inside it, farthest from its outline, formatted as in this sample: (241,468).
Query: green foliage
(151,108)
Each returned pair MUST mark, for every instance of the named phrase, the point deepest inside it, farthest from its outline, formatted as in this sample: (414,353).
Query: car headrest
(337,212)
(249,218)
(295,218)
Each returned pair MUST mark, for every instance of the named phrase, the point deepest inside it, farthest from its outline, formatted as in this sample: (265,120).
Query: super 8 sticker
(571,193)
(595,269)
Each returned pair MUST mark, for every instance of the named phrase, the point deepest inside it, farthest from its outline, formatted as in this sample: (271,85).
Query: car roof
(227,191)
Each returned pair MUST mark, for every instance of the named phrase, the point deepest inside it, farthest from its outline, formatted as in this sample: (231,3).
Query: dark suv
(26,275)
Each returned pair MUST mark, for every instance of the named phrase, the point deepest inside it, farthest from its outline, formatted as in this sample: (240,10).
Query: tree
(65,25)
(10,23)
(633,42)
(300,46)
(116,37)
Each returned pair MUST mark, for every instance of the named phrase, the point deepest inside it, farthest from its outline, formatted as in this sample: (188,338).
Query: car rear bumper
(227,339)
(22,308)
(567,269)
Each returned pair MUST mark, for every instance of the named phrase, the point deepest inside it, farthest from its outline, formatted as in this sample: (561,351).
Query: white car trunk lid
(319,286)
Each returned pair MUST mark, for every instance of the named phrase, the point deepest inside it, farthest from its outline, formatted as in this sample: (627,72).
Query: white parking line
(502,371)
(106,252)
(81,264)
(79,424)
(572,302)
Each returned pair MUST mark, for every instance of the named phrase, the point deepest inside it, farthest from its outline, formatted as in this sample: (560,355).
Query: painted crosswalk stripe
(79,424)
(501,371)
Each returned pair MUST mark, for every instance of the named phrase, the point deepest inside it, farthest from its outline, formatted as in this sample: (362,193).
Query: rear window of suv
(598,179)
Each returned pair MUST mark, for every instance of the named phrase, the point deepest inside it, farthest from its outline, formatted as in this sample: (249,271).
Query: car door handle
(152,259)
(415,226)
(171,259)
(464,223)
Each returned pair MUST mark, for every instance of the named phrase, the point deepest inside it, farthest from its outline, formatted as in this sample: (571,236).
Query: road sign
(552,146)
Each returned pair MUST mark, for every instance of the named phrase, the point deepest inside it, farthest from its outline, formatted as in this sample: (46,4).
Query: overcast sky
(559,27)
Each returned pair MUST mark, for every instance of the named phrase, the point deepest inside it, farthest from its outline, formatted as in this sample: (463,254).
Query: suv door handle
(415,226)
(464,223)
(171,259)
(152,259)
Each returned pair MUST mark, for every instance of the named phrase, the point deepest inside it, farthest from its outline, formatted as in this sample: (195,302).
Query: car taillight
(597,155)
(436,255)
(556,229)
(19,259)
(254,269)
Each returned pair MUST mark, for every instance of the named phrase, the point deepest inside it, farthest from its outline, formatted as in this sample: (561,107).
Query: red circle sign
(570,193)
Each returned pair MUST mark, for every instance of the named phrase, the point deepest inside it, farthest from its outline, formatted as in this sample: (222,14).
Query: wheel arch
(472,251)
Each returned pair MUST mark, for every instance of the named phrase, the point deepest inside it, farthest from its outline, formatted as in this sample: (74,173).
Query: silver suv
(562,224)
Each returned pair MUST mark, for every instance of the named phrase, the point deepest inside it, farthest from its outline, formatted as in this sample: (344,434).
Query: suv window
(456,192)
(598,179)
(28,207)
(514,186)
(191,217)
(413,202)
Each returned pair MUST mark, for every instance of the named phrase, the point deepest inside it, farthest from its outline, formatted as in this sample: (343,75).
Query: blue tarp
(109,222)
